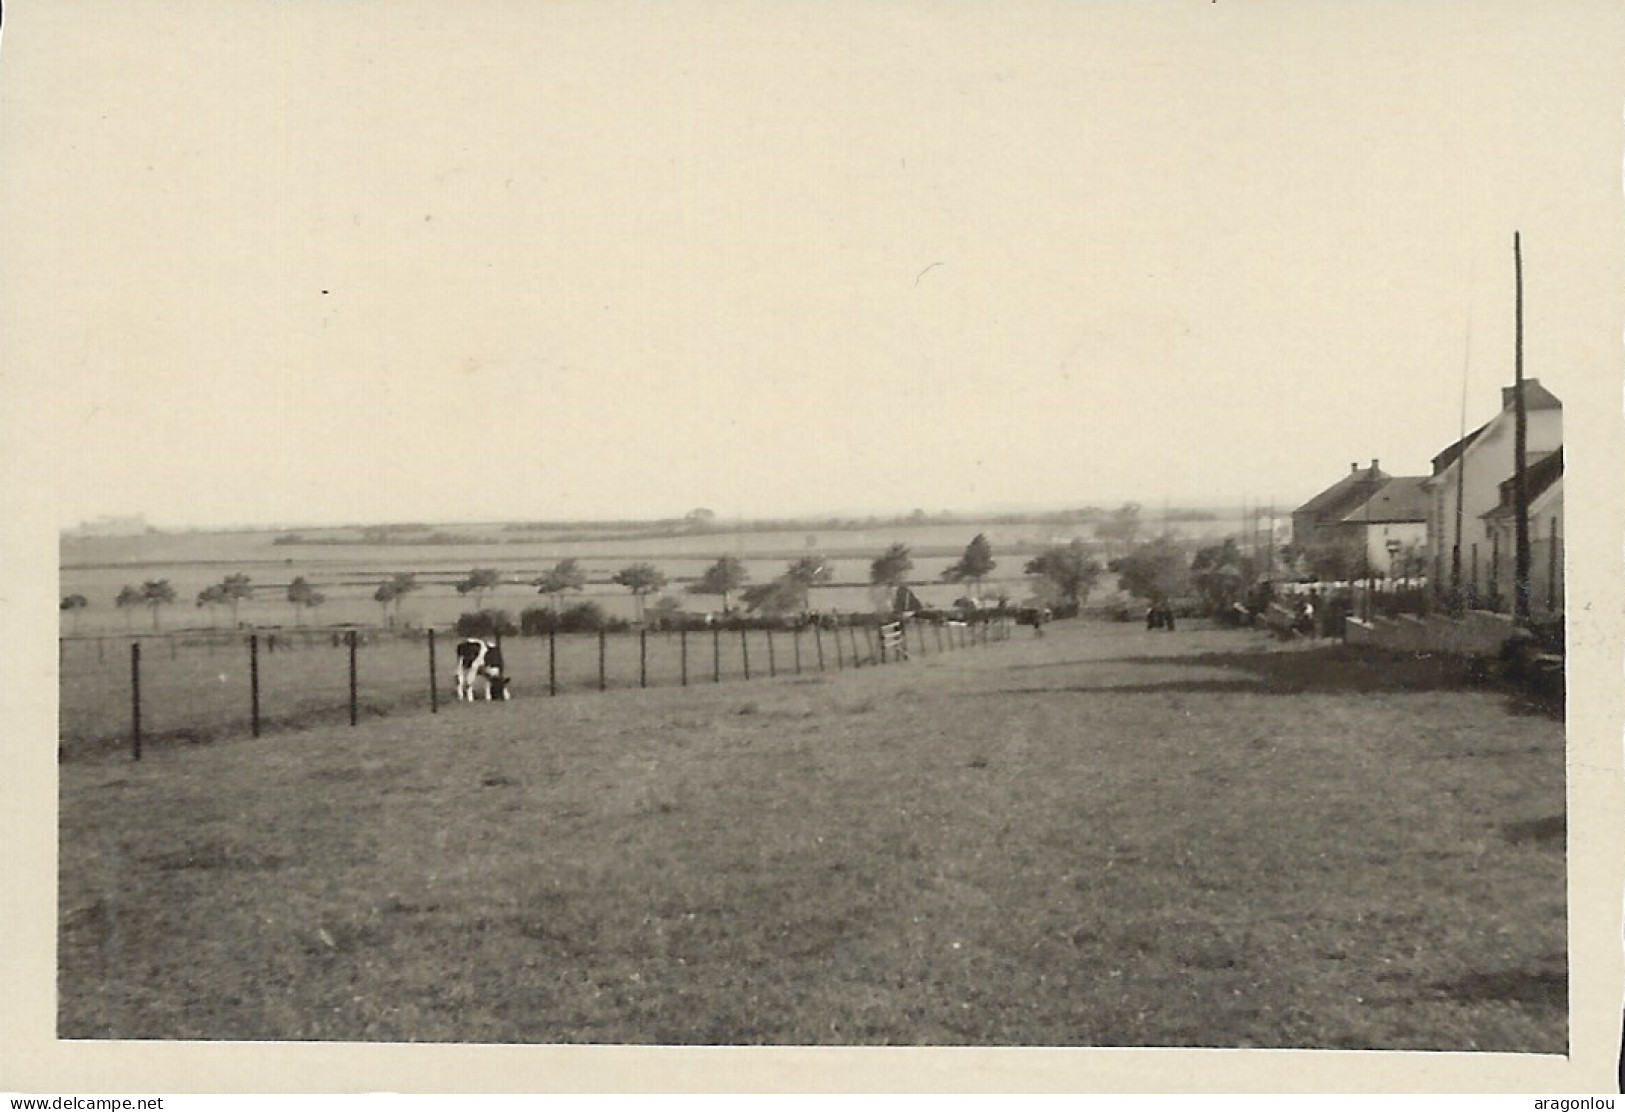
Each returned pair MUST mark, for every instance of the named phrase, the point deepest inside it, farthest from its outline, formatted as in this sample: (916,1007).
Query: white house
(1393,527)
(1476,465)
(1543,483)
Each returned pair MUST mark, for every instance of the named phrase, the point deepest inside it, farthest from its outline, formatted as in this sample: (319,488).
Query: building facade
(1466,484)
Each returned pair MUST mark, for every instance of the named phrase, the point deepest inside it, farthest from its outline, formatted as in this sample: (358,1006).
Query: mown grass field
(1101,837)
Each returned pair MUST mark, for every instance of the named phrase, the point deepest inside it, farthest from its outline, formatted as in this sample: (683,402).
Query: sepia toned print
(861,527)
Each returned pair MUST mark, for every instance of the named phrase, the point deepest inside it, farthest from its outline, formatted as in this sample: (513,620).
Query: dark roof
(1445,458)
(1538,479)
(1343,495)
(1401,499)
(1535,396)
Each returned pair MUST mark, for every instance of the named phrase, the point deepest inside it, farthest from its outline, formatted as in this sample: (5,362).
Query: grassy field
(1103,837)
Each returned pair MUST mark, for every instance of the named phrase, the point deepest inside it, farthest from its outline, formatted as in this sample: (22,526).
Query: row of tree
(1064,573)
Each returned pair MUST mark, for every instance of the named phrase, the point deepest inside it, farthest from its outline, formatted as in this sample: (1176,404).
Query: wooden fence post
(716,655)
(772,665)
(818,643)
(603,679)
(135,700)
(552,660)
(838,654)
(351,639)
(254,682)
(434,681)
(643,658)
(795,641)
(682,650)
(744,650)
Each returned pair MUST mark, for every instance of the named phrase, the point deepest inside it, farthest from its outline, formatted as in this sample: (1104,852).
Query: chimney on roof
(1354,468)
(1374,467)
(1509,394)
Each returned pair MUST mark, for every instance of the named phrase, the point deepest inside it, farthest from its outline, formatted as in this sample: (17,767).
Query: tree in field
(71,605)
(1221,574)
(887,573)
(776,596)
(566,575)
(974,566)
(1156,569)
(391,591)
(804,574)
(384,596)
(402,583)
(303,596)
(1120,529)
(211,597)
(479,581)
(1066,572)
(641,580)
(788,593)
(891,569)
(157,593)
(129,597)
(723,578)
(233,589)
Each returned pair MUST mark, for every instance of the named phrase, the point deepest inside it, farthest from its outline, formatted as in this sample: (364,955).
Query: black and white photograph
(741,546)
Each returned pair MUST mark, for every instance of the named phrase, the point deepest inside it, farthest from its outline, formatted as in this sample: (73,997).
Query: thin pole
(434,681)
(1461,462)
(716,655)
(552,661)
(818,643)
(351,639)
(682,648)
(643,658)
(1520,485)
(772,665)
(135,700)
(1551,566)
(603,678)
(254,682)
(744,650)
(795,639)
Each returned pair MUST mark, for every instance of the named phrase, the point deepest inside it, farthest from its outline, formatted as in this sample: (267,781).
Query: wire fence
(126,693)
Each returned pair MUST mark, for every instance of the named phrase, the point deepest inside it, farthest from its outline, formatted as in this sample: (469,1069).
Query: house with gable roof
(1320,527)
(1466,484)
(1393,527)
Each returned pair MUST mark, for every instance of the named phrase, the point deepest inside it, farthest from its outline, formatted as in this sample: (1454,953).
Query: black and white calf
(480,662)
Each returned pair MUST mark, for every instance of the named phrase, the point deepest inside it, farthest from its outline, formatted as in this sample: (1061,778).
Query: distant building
(1393,527)
(1459,540)
(1320,525)
(132,525)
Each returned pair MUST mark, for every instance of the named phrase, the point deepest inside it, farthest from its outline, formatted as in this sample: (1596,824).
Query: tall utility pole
(1520,491)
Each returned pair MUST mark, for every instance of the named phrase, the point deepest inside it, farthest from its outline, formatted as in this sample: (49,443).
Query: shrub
(486,623)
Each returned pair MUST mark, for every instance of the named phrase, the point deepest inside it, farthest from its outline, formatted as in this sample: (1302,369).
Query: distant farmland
(349,573)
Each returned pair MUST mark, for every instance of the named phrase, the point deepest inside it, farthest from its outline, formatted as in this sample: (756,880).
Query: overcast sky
(308,262)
